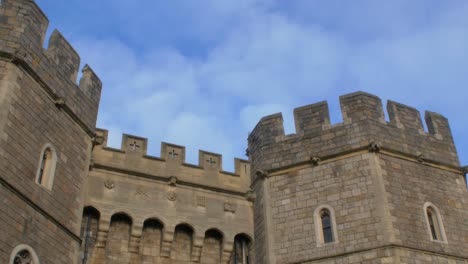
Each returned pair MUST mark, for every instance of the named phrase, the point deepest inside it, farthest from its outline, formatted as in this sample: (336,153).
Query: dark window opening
(326,226)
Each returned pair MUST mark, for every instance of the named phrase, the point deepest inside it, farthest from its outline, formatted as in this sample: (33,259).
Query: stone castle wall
(197,210)
(408,186)
(41,104)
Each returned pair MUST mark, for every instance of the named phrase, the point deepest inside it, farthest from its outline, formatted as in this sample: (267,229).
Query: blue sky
(202,73)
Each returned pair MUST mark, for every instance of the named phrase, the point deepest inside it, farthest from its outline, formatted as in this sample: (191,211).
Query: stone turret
(373,178)
(47,124)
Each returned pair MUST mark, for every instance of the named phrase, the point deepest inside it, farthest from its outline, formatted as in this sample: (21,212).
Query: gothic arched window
(325,225)
(434,223)
(46,168)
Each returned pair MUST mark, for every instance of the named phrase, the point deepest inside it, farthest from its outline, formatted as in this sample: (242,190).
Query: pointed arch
(435,226)
(46,166)
(325,225)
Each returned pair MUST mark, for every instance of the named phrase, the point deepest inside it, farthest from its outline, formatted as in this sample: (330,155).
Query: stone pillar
(101,239)
(227,251)
(197,248)
(166,243)
(134,244)
(135,237)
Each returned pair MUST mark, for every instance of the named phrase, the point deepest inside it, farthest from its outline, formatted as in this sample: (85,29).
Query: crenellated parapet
(363,124)
(23,28)
(170,166)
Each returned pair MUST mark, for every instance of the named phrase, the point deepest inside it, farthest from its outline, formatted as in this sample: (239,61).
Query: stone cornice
(167,180)
(382,150)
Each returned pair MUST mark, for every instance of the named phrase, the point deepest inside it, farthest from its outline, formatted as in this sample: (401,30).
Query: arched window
(242,250)
(325,225)
(434,223)
(46,168)
(23,254)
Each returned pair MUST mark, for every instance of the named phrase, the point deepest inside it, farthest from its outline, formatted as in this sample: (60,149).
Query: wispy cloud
(203,73)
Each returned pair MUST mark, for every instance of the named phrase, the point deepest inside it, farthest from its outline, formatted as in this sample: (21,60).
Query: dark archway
(182,244)
(212,247)
(151,239)
(242,252)
(118,238)
(88,232)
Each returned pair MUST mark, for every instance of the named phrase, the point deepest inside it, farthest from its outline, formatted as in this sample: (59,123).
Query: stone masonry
(196,210)
(365,190)
(376,176)
(41,103)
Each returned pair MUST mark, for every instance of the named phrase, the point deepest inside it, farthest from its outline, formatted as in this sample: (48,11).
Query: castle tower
(362,191)
(47,125)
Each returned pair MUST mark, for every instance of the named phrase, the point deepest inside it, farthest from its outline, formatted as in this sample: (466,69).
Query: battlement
(132,158)
(363,123)
(23,29)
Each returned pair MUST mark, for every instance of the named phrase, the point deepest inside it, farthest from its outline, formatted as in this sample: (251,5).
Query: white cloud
(272,60)
(266,61)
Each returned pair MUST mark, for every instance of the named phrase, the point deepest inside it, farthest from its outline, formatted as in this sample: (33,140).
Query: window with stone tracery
(23,257)
(23,254)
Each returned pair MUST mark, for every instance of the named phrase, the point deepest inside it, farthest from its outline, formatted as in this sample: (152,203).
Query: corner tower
(364,190)
(47,125)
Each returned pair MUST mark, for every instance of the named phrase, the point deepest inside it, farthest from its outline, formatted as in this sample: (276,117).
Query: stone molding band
(168,180)
(37,208)
(57,100)
(316,160)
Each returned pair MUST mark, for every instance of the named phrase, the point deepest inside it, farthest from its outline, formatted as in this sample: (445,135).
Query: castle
(365,190)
